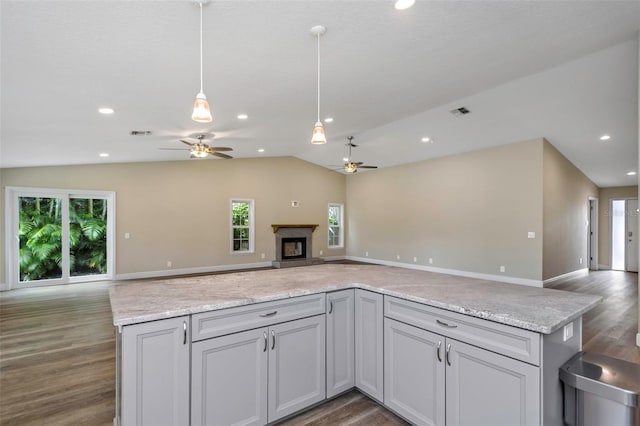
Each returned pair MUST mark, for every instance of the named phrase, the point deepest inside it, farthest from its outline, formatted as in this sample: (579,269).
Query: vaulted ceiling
(564,70)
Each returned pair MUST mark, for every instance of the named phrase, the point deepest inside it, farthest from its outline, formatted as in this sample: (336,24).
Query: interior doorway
(592,237)
(624,230)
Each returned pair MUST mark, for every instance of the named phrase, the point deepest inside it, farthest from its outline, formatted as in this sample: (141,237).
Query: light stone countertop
(531,308)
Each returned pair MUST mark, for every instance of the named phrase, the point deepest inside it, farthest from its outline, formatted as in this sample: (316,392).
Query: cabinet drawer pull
(330,306)
(184,328)
(266,342)
(445,324)
(447,354)
(438,353)
(273,340)
(268,314)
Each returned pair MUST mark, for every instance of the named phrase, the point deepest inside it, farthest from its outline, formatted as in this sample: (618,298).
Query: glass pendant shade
(318,137)
(201,111)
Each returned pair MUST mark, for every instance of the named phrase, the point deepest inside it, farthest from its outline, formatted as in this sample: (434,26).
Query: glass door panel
(87,236)
(40,235)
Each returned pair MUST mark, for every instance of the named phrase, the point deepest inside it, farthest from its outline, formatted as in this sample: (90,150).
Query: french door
(58,236)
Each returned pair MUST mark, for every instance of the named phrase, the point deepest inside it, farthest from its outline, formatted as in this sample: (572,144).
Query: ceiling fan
(350,166)
(200,149)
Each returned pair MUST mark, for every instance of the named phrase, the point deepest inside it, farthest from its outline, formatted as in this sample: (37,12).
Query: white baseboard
(491,277)
(573,274)
(5,287)
(332,258)
(187,271)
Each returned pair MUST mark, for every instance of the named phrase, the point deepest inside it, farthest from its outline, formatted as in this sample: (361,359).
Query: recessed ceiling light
(261,150)
(106,110)
(605,137)
(404,4)
(631,173)
(328,120)
(242,116)
(104,154)
(345,159)
(426,140)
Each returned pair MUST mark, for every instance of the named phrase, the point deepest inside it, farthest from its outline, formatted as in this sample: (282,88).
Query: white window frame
(12,240)
(341,226)
(251,226)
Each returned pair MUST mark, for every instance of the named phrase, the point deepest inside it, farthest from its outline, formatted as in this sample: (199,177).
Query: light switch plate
(531,234)
(568,331)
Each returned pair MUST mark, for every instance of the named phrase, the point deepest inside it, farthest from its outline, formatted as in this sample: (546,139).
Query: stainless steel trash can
(600,391)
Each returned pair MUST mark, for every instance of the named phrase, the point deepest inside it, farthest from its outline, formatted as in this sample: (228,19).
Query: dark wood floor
(57,353)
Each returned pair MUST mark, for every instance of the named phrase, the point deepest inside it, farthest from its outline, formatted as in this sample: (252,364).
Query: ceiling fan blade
(359,163)
(185,142)
(367,167)
(220,148)
(219,154)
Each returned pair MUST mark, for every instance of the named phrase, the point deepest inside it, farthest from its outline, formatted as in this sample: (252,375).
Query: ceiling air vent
(141,133)
(460,111)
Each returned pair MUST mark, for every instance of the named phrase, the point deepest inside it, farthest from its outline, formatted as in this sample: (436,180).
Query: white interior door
(631,232)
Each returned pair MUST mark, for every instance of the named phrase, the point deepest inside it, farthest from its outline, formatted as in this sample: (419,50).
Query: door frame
(592,233)
(12,240)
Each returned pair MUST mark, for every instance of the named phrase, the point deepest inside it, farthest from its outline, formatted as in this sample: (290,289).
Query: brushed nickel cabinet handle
(330,306)
(266,341)
(445,324)
(438,353)
(273,340)
(269,314)
(447,354)
(184,328)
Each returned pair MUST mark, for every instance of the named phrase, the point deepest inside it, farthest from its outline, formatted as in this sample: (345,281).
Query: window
(335,226)
(242,226)
(59,236)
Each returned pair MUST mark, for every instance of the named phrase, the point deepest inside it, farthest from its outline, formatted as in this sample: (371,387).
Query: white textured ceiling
(564,70)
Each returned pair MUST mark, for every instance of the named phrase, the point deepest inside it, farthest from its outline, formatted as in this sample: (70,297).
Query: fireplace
(294,248)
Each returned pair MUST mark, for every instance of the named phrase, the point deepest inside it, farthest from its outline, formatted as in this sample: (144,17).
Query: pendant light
(201,111)
(318,137)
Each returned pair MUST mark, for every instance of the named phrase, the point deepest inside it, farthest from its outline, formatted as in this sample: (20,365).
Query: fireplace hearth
(293,246)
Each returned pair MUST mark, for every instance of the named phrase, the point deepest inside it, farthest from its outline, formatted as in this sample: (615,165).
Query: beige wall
(605,196)
(566,212)
(179,211)
(468,212)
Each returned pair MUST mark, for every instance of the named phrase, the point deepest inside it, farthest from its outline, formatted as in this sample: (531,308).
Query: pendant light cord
(318,77)
(201,79)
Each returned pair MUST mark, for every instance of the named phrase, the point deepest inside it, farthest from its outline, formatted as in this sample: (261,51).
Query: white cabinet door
(414,373)
(297,369)
(340,342)
(229,380)
(484,388)
(155,373)
(369,344)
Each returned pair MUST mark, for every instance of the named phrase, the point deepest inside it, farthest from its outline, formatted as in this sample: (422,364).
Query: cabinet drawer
(206,325)
(513,342)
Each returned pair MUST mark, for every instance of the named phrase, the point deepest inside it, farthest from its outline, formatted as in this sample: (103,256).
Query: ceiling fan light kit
(201,110)
(318,137)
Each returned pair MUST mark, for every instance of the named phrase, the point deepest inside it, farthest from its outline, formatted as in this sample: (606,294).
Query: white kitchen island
(257,347)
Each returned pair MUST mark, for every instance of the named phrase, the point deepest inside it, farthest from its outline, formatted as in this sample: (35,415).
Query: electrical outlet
(567,332)
(127,235)
(262,256)
(321,252)
(431,261)
(415,259)
(397,257)
(366,253)
(502,268)
(294,203)
(581,261)
(169,264)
